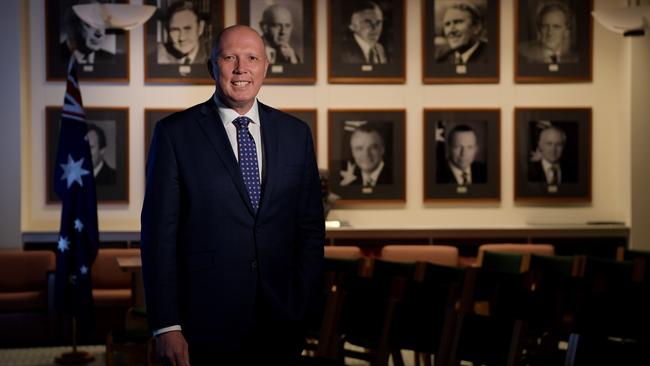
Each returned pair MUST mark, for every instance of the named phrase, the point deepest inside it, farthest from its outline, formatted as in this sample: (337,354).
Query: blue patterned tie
(248,160)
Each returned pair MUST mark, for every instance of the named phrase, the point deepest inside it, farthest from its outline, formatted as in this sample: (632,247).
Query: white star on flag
(63,244)
(78,225)
(72,171)
(83,270)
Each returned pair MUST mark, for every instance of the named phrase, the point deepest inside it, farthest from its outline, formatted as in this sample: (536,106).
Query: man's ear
(201,27)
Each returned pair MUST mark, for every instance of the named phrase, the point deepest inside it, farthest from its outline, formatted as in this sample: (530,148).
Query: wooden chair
(369,308)
(551,305)
(343,252)
(522,249)
(424,317)
(613,316)
(489,327)
(444,255)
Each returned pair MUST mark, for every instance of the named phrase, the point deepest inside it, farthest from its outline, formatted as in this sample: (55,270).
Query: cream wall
(608,95)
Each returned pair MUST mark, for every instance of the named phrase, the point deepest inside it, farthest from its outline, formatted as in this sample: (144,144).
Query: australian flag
(75,185)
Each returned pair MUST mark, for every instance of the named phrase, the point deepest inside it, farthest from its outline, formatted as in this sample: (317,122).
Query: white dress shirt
(548,171)
(458,174)
(370,179)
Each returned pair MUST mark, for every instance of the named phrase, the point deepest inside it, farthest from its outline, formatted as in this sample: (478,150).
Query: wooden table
(134,265)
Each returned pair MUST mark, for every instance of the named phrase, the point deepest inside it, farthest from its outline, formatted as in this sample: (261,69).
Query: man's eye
(228,58)
(253,58)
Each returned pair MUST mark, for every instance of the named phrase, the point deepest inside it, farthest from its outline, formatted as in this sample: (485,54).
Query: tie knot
(241,122)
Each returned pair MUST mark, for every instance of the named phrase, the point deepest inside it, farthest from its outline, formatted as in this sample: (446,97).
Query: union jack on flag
(75,185)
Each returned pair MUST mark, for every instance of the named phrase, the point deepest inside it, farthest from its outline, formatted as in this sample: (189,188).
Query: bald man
(232,221)
(277,27)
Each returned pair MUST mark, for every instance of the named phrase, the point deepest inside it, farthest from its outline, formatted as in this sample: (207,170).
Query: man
(87,43)
(277,26)
(463,30)
(369,168)
(547,166)
(361,44)
(184,31)
(553,44)
(460,166)
(232,221)
(104,174)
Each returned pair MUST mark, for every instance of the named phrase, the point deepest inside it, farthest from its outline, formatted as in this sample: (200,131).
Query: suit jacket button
(253,265)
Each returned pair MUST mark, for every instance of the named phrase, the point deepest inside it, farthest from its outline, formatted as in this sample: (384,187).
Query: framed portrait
(367,155)
(101,54)
(151,117)
(367,41)
(553,154)
(462,155)
(553,41)
(108,136)
(288,28)
(309,116)
(178,39)
(460,42)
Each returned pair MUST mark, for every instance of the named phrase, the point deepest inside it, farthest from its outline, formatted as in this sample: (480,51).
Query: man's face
(459,28)
(277,30)
(367,24)
(553,29)
(367,150)
(96,153)
(463,148)
(93,37)
(550,145)
(240,68)
(185,29)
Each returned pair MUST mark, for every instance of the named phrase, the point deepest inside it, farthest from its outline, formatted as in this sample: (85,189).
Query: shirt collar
(365,47)
(467,54)
(228,114)
(374,175)
(458,173)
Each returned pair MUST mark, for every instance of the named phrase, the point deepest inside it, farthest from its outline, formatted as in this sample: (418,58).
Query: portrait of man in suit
(361,41)
(553,42)
(547,163)
(103,172)
(368,167)
(232,221)
(88,44)
(460,165)
(184,42)
(277,25)
(464,33)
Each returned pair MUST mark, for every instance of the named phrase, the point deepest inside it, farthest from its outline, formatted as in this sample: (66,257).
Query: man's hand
(347,175)
(288,53)
(171,349)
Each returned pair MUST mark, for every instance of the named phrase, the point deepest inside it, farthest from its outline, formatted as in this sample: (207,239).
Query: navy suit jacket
(207,257)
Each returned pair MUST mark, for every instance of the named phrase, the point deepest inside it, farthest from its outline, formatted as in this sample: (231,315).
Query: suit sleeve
(311,232)
(159,226)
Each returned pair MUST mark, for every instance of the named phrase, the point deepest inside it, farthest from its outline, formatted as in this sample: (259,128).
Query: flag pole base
(74,358)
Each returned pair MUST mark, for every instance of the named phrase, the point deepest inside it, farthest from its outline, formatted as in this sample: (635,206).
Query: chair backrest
(503,262)
(528,249)
(25,270)
(445,255)
(106,273)
(344,252)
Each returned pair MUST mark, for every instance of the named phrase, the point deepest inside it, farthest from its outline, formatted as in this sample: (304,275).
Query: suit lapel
(212,125)
(271,160)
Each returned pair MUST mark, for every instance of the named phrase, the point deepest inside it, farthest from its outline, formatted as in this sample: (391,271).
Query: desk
(134,265)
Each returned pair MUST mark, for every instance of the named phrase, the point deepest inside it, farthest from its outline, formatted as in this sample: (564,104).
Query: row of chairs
(517,308)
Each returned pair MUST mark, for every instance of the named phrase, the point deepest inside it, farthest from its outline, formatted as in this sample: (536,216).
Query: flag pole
(75,357)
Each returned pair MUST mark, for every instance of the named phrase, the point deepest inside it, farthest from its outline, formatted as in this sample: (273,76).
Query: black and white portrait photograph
(367,155)
(151,118)
(367,41)
(178,38)
(108,140)
(553,41)
(309,116)
(462,154)
(460,41)
(553,154)
(101,54)
(288,28)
